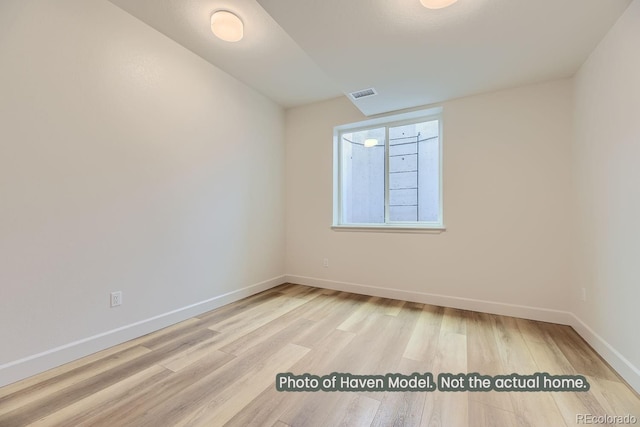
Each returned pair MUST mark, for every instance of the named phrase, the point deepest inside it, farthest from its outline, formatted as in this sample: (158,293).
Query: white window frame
(388,121)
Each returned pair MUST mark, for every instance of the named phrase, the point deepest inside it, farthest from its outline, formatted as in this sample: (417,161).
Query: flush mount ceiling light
(371,142)
(227,26)
(437,4)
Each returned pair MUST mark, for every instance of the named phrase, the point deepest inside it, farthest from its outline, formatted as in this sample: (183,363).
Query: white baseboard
(625,369)
(36,363)
(522,311)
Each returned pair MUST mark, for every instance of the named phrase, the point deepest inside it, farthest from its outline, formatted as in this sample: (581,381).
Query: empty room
(319,213)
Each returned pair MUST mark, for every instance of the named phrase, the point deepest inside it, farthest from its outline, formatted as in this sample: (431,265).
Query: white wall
(607,176)
(126,163)
(506,208)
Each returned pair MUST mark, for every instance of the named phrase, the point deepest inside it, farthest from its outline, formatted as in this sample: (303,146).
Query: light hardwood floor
(219,369)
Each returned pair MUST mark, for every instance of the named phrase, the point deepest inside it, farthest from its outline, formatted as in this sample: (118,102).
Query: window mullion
(386,174)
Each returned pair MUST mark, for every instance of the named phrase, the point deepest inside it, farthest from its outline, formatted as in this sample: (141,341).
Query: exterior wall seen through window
(390,174)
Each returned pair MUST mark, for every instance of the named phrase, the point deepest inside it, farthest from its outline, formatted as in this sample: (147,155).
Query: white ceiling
(266,59)
(300,51)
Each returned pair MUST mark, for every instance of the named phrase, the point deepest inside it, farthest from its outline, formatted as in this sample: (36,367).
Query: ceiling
(300,51)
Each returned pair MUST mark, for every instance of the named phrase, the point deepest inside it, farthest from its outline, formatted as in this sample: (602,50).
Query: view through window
(390,174)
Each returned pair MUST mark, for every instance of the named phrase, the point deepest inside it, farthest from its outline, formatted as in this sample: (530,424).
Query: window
(388,174)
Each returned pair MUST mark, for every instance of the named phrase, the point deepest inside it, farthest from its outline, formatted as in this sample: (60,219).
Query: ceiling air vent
(363,93)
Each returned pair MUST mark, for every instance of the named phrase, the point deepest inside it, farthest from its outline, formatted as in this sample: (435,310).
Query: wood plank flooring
(219,369)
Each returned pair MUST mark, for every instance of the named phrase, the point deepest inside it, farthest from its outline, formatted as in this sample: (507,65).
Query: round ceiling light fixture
(227,26)
(437,4)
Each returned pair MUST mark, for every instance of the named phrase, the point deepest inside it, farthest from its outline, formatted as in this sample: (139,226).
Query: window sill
(404,228)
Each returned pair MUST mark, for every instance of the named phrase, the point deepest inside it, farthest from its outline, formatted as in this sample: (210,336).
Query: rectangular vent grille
(363,93)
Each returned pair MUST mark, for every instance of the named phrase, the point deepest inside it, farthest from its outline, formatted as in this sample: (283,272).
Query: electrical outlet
(584,294)
(326,263)
(116,298)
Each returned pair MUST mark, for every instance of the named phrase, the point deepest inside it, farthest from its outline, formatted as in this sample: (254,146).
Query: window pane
(414,178)
(362,174)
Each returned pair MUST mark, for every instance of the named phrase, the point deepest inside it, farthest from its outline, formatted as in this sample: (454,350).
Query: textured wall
(506,191)
(126,163)
(606,153)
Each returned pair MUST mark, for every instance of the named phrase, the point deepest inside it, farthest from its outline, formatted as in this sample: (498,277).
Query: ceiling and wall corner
(266,59)
(298,52)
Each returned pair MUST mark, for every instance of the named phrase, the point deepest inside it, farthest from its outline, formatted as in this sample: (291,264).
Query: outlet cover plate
(116,298)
